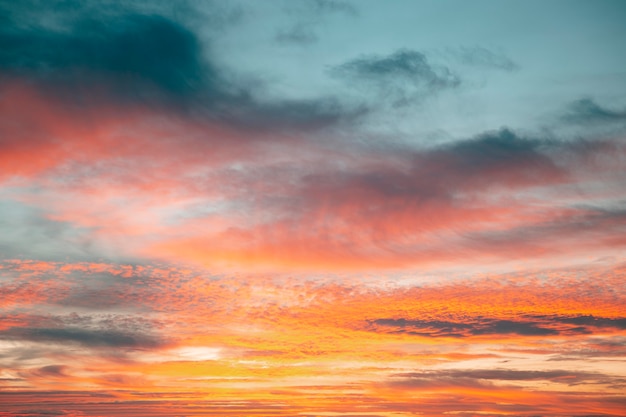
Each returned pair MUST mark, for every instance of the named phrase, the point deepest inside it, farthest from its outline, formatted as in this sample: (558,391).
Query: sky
(312,208)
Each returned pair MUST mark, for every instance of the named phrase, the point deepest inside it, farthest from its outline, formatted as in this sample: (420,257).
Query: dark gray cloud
(494,159)
(403,77)
(98,330)
(458,329)
(525,326)
(586,111)
(434,328)
(128,54)
(84,337)
(591,321)
(137,56)
(514,327)
(499,157)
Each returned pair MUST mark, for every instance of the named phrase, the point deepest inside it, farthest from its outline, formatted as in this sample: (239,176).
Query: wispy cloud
(586,110)
(402,77)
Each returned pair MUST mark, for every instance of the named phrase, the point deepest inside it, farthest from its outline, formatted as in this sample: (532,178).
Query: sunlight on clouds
(197,353)
(312,208)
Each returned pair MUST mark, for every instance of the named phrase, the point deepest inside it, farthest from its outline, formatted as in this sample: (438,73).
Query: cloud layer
(255,208)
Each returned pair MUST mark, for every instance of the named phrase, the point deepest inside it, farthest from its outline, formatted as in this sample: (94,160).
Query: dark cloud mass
(495,159)
(453,329)
(434,328)
(514,327)
(617,323)
(500,157)
(84,337)
(146,57)
(525,326)
(138,56)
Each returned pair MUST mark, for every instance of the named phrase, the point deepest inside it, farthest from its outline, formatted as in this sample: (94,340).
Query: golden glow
(283,347)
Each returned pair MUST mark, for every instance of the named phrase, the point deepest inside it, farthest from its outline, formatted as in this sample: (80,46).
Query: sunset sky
(312,208)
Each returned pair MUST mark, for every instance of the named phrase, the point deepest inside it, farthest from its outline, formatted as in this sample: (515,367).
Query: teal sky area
(520,63)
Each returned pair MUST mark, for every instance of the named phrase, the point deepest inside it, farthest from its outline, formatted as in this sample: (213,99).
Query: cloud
(514,327)
(137,56)
(426,328)
(452,329)
(339,271)
(532,325)
(402,77)
(596,348)
(83,337)
(496,158)
(404,64)
(285,334)
(591,321)
(54,371)
(604,224)
(587,111)
(476,197)
(130,56)
(234,149)
(401,197)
